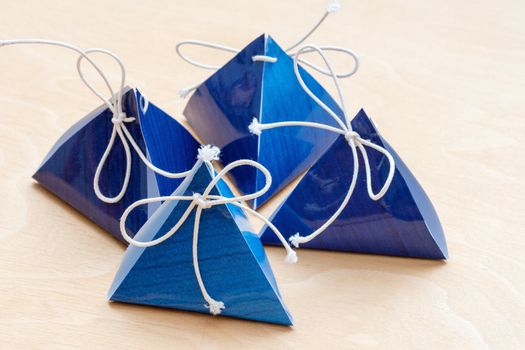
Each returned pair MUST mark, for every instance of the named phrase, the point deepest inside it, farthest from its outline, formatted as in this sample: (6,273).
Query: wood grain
(444,81)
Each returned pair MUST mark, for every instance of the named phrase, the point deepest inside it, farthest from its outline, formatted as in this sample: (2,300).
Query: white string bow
(345,128)
(201,202)
(119,119)
(333,7)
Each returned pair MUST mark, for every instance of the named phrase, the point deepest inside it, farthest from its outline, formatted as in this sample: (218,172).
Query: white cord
(119,119)
(206,201)
(333,7)
(203,44)
(345,128)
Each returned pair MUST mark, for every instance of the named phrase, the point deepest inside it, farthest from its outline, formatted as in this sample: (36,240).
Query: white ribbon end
(3,43)
(255,127)
(215,307)
(333,7)
(296,239)
(208,153)
(183,93)
(291,258)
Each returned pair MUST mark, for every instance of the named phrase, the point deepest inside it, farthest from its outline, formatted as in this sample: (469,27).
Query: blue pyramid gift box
(123,151)
(248,87)
(232,266)
(69,168)
(402,223)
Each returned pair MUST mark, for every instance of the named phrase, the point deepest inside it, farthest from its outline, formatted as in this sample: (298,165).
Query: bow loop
(391,169)
(114,103)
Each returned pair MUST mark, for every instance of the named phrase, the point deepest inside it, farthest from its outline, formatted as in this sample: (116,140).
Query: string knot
(333,7)
(296,239)
(208,153)
(255,127)
(121,118)
(200,201)
(352,136)
(215,307)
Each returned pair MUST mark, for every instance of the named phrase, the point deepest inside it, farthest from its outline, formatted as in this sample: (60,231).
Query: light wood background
(443,79)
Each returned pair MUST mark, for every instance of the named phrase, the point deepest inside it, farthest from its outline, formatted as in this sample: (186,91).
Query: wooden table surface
(443,79)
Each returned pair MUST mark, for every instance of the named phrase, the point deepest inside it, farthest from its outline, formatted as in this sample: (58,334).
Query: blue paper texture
(69,168)
(402,223)
(222,108)
(232,261)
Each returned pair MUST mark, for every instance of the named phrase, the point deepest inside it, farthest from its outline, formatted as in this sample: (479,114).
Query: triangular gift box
(69,168)
(402,223)
(232,262)
(222,108)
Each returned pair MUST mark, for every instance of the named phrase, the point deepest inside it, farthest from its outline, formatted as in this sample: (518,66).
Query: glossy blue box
(222,108)
(232,261)
(402,223)
(69,168)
